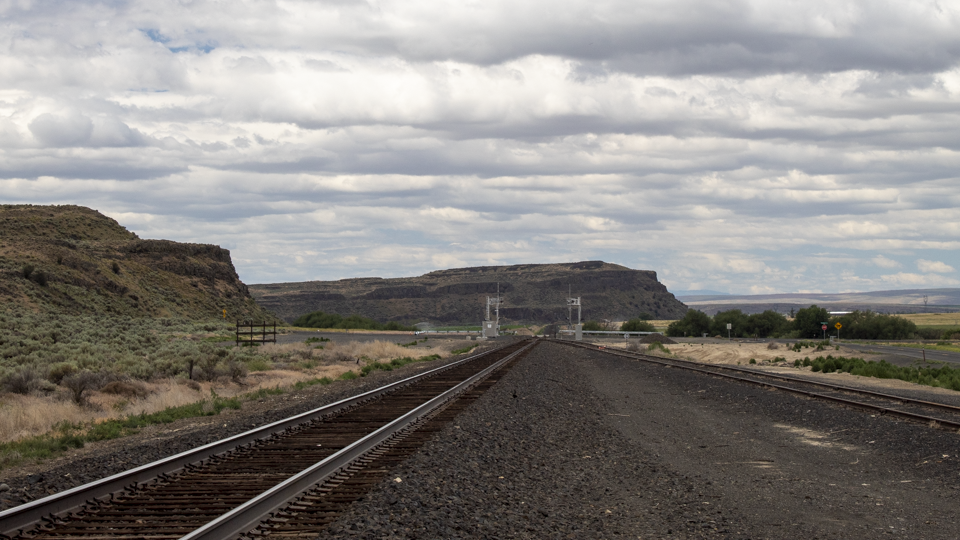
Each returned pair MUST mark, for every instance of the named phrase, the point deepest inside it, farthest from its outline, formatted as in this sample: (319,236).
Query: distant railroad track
(285,479)
(880,402)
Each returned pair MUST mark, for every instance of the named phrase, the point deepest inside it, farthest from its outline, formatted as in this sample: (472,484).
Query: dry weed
(28,415)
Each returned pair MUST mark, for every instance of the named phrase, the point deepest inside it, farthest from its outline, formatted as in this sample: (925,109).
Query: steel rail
(683,364)
(831,386)
(250,514)
(30,514)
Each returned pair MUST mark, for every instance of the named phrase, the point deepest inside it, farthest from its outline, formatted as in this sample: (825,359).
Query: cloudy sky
(733,145)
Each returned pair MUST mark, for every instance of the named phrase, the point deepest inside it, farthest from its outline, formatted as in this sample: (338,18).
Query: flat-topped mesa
(76,261)
(533,293)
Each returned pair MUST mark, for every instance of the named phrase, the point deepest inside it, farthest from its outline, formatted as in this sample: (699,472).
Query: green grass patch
(941,376)
(815,345)
(348,376)
(656,345)
(936,347)
(258,364)
(264,392)
(219,339)
(464,350)
(67,436)
(317,340)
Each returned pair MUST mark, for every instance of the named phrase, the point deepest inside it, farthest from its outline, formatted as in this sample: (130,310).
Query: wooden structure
(252,332)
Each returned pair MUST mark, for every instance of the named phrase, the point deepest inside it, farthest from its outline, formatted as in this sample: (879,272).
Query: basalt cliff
(532,293)
(74,260)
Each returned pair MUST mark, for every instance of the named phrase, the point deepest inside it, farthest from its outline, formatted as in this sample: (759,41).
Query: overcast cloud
(744,146)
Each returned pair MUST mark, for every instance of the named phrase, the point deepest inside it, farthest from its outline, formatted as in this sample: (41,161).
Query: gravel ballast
(580,444)
(576,443)
(99,460)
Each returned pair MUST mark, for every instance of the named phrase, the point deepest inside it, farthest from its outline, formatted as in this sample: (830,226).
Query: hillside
(531,293)
(900,301)
(74,260)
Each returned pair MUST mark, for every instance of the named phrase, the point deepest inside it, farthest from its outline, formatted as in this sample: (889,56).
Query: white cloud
(884,262)
(934,266)
(742,146)
(905,279)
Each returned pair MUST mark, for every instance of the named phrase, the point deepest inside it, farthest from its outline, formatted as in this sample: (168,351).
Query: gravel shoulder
(580,444)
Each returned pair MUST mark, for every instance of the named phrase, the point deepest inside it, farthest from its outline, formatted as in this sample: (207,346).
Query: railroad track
(287,479)
(948,416)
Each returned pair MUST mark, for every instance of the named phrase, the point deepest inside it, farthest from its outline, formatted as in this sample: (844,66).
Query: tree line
(319,319)
(806,323)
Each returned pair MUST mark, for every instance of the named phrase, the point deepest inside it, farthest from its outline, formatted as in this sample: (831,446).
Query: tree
(767,324)
(870,325)
(592,326)
(694,323)
(637,325)
(736,318)
(808,321)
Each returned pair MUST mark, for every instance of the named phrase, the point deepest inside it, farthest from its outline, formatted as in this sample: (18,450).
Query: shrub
(80,383)
(26,271)
(59,371)
(592,326)
(348,376)
(40,278)
(753,360)
(127,389)
(657,345)
(633,346)
(258,364)
(340,356)
(303,384)
(637,325)
(22,381)
(115,267)
(236,370)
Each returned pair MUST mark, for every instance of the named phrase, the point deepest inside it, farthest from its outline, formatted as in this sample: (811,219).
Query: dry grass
(933,319)
(22,416)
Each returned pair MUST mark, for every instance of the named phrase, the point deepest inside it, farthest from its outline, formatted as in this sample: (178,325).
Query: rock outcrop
(532,293)
(74,260)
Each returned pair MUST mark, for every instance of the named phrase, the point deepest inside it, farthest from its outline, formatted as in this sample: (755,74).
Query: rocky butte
(532,293)
(74,260)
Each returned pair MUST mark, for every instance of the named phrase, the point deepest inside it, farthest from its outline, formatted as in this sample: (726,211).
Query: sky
(740,146)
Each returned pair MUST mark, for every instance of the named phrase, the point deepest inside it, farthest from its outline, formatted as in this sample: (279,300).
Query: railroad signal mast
(491,327)
(571,302)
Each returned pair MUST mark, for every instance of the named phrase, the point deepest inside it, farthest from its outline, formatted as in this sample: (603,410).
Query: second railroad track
(935,414)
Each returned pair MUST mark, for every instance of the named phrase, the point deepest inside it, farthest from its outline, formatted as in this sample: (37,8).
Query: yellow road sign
(838,326)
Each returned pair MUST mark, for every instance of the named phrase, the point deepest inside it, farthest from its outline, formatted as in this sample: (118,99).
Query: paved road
(908,352)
